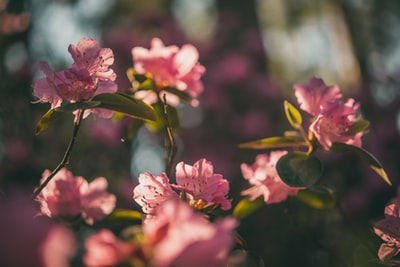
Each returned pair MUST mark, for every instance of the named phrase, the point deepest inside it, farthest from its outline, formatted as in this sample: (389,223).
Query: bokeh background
(254,51)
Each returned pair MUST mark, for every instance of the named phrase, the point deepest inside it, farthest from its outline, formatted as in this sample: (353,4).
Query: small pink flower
(97,203)
(389,230)
(61,196)
(180,237)
(89,75)
(201,183)
(334,122)
(103,249)
(152,191)
(313,95)
(69,196)
(171,66)
(265,181)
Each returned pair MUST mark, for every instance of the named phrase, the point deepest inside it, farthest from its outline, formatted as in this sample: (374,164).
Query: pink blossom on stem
(180,237)
(265,181)
(152,191)
(334,123)
(170,66)
(389,230)
(69,196)
(103,249)
(61,196)
(314,94)
(201,183)
(89,75)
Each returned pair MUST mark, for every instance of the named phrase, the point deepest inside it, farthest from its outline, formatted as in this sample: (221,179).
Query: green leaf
(292,115)
(140,81)
(181,94)
(375,165)
(297,169)
(69,107)
(123,215)
(293,135)
(274,142)
(126,104)
(159,125)
(317,197)
(358,126)
(245,207)
(48,119)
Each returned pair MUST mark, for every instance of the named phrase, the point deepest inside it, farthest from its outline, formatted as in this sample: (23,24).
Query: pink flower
(103,249)
(96,201)
(388,230)
(59,247)
(69,196)
(313,95)
(152,191)
(265,181)
(201,183)
(334,123)
(89,56)
(89,75)
(170,66)
(180,237)
(61,196)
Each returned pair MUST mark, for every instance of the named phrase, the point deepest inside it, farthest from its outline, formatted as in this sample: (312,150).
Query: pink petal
(103,249)
(97,202)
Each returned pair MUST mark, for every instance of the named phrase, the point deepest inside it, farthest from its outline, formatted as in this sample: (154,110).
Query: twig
(170,145)
(65,159)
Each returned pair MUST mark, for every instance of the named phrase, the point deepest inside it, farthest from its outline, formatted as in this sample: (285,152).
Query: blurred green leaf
(293,135)
(297,169)
(274,142)
(317,197)
(140,81)
(372,161)
(181,94)
(245,207)
(358,126)
(159,124)
(69,107)
(126,104)
(119,215)
(292,115)
(48,119)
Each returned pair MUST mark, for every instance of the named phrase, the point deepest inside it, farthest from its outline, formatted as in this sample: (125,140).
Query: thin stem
(66,157)
(170,141)
(309,144)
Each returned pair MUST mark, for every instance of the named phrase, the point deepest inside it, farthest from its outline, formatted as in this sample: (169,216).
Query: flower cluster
(181,222)
(89,75)
(333,119)
(67,196)
(175,236)
(265,181)
(170,67)
(198,184)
